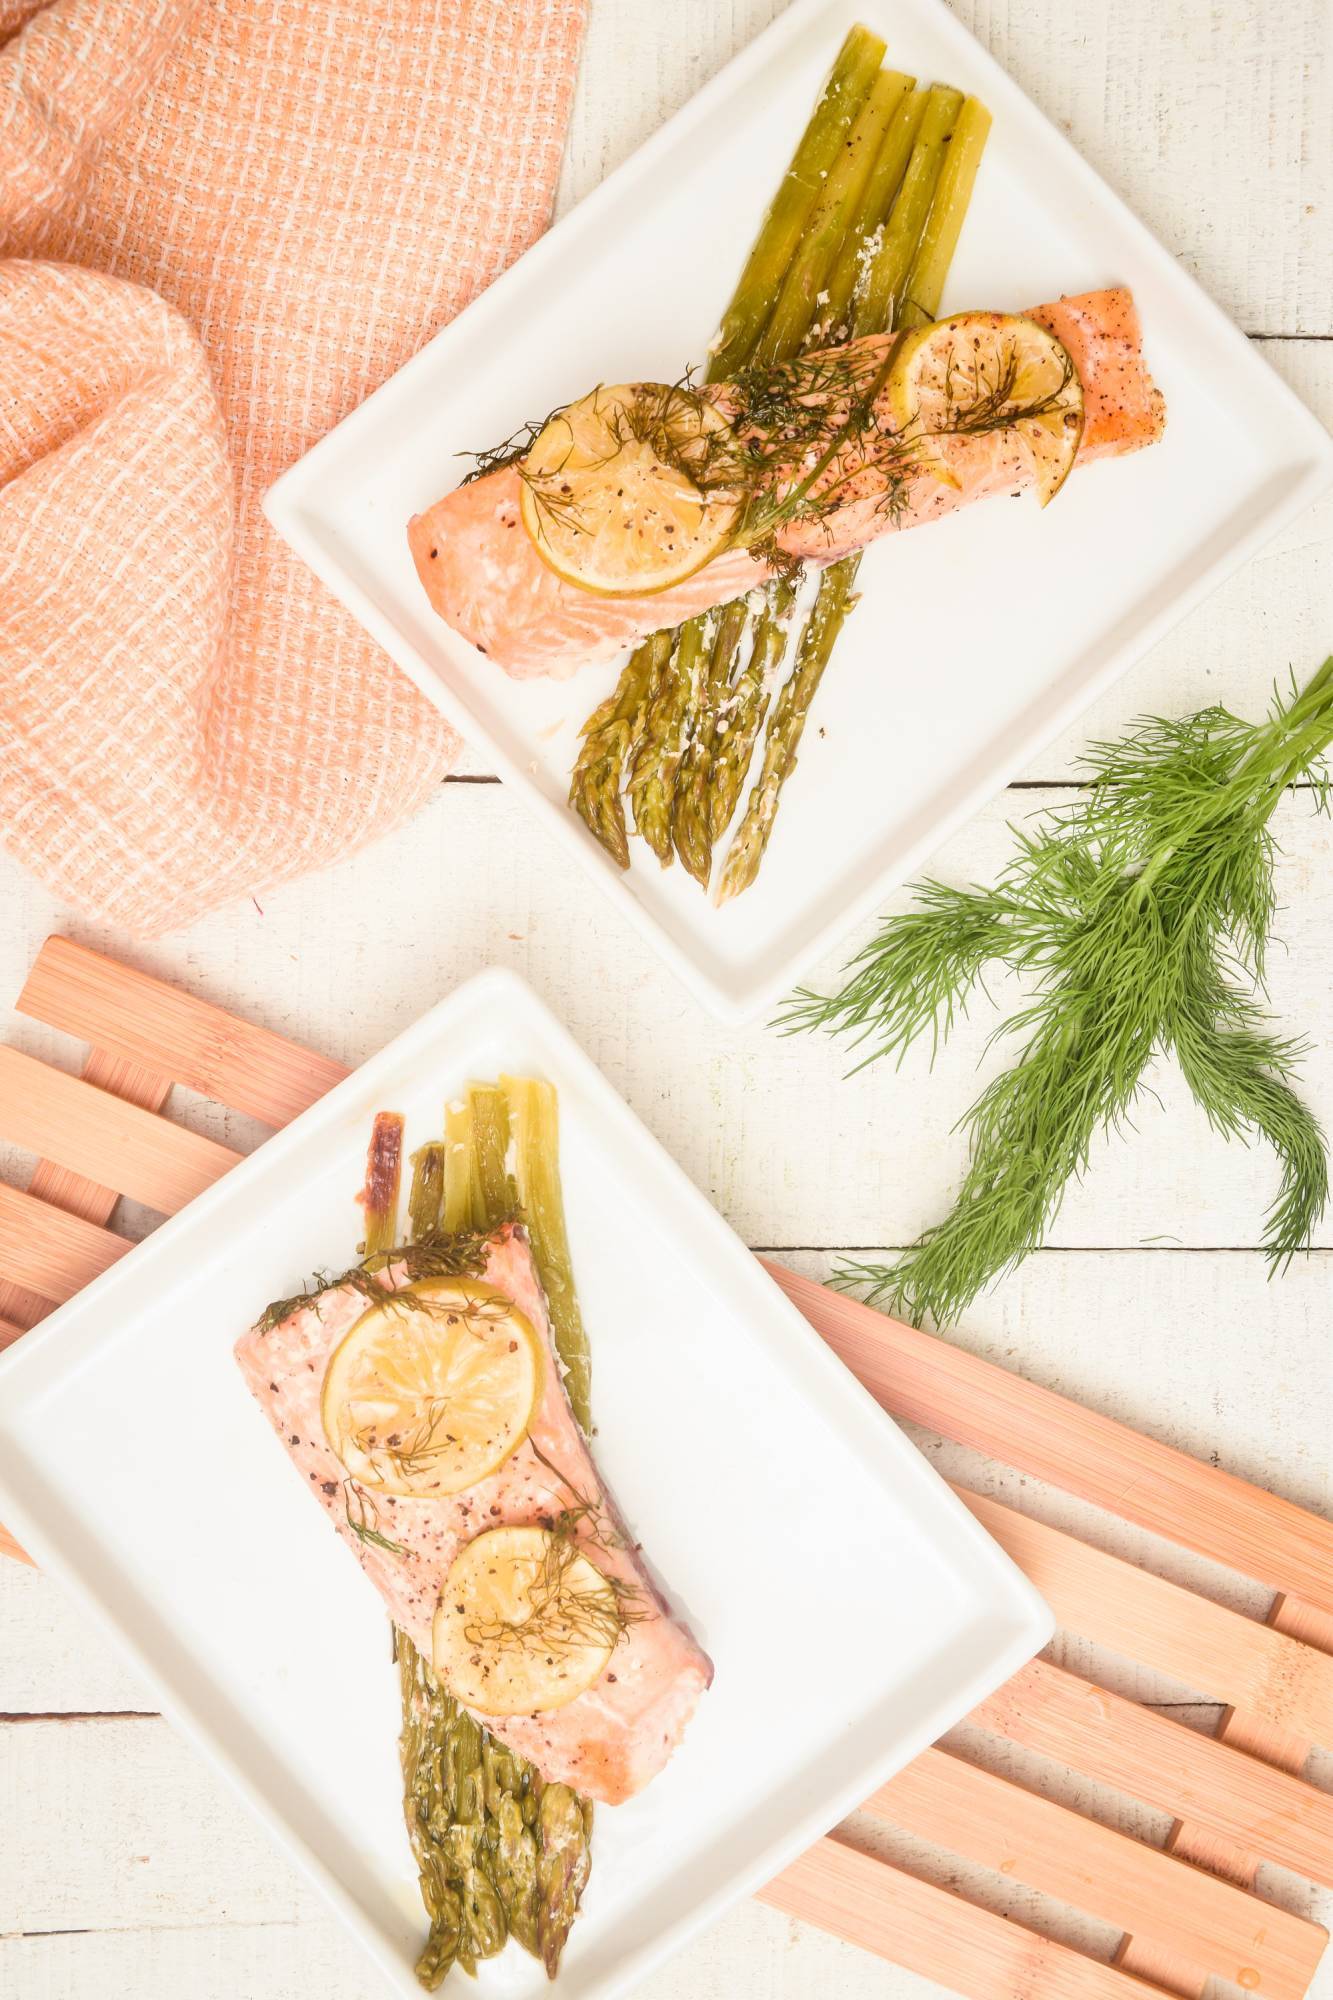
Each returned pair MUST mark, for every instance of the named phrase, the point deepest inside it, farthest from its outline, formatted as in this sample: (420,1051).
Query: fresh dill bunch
(1139,917)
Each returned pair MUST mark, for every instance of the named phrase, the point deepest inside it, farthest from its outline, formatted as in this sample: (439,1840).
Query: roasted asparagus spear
(626,733)
(498,1855)
(611,736)
(904,280)
(534,1121)
(848,86)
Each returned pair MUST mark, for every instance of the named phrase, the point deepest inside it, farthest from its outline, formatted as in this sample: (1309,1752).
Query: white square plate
(976,641)
(853,1608)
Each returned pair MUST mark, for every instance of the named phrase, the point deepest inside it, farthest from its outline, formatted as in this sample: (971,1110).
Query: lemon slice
(983,374)
(632,489)
(432,1390)
(525,1622)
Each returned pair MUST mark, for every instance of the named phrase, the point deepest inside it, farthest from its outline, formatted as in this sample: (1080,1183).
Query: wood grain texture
(61,1186)
(145,1020)
(79,1193)
(1249,1728)
(931,1931)
(1208,120)
(1147,1618)
(1213,1928)
(1210,1784)
(87,1131)
(922,1378)
(50,1251)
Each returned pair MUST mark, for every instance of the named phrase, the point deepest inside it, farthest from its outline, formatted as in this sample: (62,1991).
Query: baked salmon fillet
(485,578)
(615,1735)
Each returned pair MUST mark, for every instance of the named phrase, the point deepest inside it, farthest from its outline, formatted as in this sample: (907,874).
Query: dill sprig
(362,1512)
(511,450)
(799,437)
(461,1254)
(1140,917)
(563,1613)
(677,423)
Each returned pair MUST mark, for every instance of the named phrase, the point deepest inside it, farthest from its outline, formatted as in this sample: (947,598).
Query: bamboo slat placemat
(1186,1911)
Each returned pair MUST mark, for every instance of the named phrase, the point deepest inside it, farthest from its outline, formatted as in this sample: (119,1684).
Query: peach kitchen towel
(223,223)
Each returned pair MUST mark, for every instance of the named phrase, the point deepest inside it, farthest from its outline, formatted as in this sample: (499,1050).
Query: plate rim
(742,996)
(1016,1608)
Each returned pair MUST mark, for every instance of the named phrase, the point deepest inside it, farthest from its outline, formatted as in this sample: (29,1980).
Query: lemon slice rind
(432,1391)
(939,366)
(525,1623)
(607,495)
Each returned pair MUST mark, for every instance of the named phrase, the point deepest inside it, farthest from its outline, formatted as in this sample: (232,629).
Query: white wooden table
(124,1867)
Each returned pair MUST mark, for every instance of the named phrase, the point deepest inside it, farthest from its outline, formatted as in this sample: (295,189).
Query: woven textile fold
(223,223)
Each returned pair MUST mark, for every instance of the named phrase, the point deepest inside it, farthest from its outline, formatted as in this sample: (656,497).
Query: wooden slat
(145,1034)
(49,1251)
(145,1020)
(1258,1736)
(78,1127)
(925,1380)
(78,1194)
(1216,1652)
(1209,1925)
(935,1933)
(1165,1765)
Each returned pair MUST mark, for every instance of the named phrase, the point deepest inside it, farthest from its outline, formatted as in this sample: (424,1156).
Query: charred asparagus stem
(384,1167)
(425,1203)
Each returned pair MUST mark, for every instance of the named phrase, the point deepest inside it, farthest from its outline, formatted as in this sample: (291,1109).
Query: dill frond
(460,1255)
(563,1614)
(362,1516)
(1140,917)
(798,436)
